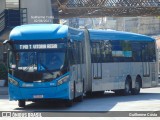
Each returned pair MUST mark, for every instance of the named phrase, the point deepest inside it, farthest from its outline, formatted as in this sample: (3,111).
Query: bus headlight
(27,85)
(62,80)
(12,81)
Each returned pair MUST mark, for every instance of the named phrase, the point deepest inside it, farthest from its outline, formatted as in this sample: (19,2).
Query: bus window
(12,61)
(51,61)
(96,52)
(145,54)
(74,53)
(117,52)
(77,53)
(127,51)
(106,50)
(151,51)
(136,51)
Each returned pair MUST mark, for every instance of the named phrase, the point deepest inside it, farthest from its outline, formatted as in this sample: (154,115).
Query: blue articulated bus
(57,62)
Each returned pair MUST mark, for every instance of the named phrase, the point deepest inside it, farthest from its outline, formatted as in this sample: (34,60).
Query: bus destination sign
(36,46)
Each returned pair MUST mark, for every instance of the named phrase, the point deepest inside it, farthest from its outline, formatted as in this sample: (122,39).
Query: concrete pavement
(3,90)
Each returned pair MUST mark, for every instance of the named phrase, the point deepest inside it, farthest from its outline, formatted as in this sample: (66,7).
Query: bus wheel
(21,103)
(136,90)
(98,93)
(88,94)
(118,92)
(127,88)
(79,98)
(69,103)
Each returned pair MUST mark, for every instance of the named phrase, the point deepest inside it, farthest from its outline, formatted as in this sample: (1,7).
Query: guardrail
(2,21)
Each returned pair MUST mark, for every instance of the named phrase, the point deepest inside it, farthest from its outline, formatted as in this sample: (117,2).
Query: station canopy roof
(102,8)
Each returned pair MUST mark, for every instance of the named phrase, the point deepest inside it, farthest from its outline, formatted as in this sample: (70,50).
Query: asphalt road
(97,106)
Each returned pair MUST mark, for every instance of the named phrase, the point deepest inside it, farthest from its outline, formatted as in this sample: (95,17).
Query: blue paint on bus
(57,31)
(117,35)
(25,90)
(39,32)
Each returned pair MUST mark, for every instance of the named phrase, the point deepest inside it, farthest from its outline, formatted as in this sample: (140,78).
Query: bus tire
(69,103)
(88,94)
(126,91)
(21,103)
(98,93)
(94,94)
(79,98)
(136,90)
(118,92)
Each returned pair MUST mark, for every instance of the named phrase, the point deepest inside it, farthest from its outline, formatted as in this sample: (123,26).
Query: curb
(3,90)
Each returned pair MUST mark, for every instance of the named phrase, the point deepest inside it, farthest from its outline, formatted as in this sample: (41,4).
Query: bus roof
(57,31)
(117,35)
(39,32)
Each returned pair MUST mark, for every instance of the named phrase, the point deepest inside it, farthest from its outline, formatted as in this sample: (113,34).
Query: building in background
(38,11)
(142,25)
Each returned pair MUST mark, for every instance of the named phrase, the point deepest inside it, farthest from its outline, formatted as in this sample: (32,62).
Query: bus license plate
(37,96)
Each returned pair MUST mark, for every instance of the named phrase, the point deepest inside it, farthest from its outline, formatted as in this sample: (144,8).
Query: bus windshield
(40,61)
(43,65)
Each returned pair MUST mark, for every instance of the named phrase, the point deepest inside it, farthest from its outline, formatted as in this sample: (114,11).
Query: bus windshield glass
(41,61)
(39,57)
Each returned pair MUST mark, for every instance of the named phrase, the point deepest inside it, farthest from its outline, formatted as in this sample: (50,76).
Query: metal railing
(14,14)
(2,21)
(15,17)
(12,17)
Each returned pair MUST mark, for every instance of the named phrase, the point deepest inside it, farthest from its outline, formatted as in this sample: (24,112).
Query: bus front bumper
(31,93)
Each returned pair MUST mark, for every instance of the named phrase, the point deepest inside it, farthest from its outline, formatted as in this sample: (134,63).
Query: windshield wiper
(29,67)
(46,68)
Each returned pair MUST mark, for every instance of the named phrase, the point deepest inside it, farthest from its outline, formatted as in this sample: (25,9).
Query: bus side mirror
(71,40)
(5,57)
(17,57)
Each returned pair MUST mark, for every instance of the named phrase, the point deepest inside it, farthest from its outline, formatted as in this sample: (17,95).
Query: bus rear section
(122,62)
(39,65)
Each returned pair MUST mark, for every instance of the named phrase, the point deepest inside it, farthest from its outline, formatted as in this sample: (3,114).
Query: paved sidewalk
(3,90)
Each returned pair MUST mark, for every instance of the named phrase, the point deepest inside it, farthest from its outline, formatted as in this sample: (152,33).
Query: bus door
(153,74)
(96,61)
(97,82)
(145,60)
(145,66)
(97,70)
(146,69)
(77,68)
